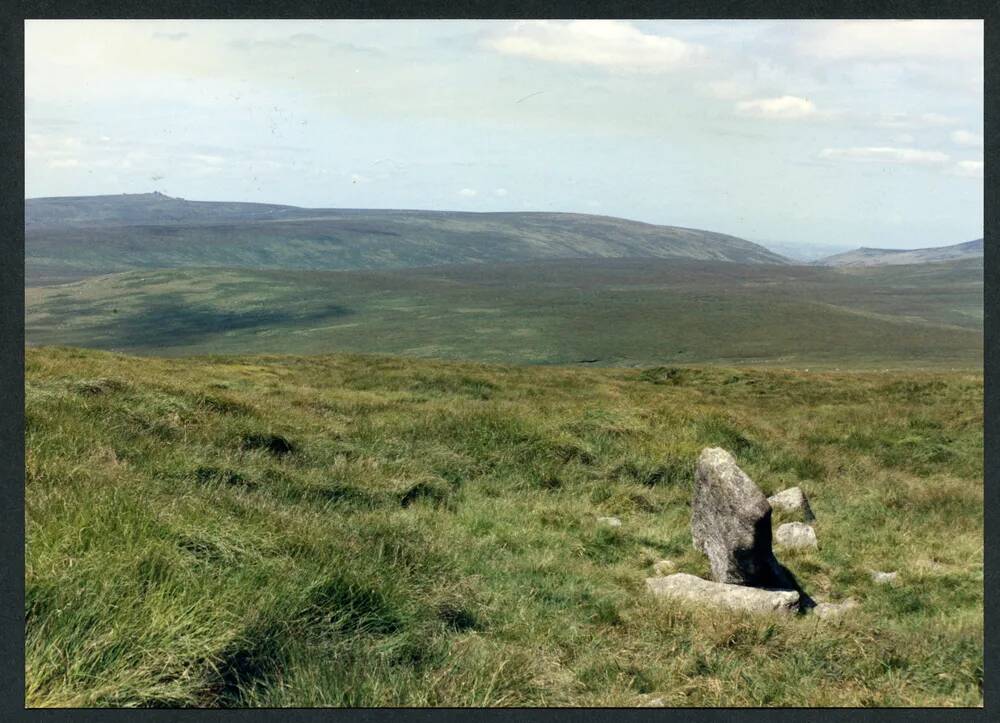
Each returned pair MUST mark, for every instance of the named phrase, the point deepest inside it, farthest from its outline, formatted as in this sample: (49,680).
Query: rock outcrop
(793,500)
(705,593)
(731,524)
(796,535)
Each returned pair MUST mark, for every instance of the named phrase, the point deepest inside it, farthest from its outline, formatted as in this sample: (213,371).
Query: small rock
(832,611)
(792,500)
(655,703)
(884,578)
(609,521)
(689,588)
(795,534)
(664,567)
(731,523)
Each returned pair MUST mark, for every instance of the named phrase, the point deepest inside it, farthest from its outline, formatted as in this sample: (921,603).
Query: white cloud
(904,138)
(610,43)
(969,169)
(64,163)
(912,121)
(967,138)
(881,40)
(901,156)
(501,192)
(787,107)
(468,192)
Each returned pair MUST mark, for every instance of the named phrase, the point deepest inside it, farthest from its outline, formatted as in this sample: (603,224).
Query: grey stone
(884,578)
(833,611)
(795,534)
(731,524)
(792,500)
(705,593)
(609,521)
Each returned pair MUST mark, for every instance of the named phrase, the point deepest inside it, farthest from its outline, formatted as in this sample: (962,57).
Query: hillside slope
(883,257)
(357,531)
(603,311)
(72,238)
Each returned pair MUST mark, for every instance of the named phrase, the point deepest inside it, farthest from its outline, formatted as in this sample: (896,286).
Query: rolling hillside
(610,312)
(73,238)
(886,257)
(359,531)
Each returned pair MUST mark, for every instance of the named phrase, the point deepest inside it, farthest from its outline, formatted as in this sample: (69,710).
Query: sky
(846,133)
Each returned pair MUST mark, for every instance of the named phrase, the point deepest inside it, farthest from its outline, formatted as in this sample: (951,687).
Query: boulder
(832,611)
(705,593)
(609,521)
(884,578)
(795,534)
(793,500)
(731,524)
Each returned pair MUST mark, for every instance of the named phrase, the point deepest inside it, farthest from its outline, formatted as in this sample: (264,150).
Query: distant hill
(884,257)
(76,237)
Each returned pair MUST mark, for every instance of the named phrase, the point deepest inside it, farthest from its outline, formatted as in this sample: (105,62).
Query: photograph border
(12,323)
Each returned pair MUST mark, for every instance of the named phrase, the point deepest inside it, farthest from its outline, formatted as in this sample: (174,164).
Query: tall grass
(363,531)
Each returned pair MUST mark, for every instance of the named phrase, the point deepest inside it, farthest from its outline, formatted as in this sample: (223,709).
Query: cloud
(611,44)
(64,163)
(887,40)
(968,169)
(899,156)
(787,107)
(501,192)
(914,121)
(170,36)
(468,192)
(967,138)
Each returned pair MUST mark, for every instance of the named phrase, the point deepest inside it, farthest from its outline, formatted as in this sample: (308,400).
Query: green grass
(372,531)
(608,312)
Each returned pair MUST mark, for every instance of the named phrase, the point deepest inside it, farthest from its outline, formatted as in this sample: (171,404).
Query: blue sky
(810,132)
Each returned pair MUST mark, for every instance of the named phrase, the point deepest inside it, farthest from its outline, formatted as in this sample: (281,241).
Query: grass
(372,531)
(611,312)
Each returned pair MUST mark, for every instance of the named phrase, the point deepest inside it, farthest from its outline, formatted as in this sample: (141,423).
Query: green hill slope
(363,531)
(72,238)
(894,257)
(609,312)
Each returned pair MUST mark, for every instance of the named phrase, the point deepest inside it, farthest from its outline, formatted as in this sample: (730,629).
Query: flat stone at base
(705,593)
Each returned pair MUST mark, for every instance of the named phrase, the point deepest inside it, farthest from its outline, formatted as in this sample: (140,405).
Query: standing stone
(792,500)
(795,534)
(731,523)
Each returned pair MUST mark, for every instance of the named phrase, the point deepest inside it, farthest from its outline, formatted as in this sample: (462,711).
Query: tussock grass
(368,531)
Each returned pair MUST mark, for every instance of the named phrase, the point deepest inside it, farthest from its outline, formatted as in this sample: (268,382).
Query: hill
(363,531)
(73,238)
(882,257)
(612,312)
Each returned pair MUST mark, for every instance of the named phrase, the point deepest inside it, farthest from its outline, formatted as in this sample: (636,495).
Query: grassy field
(607,312)
(370,531)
